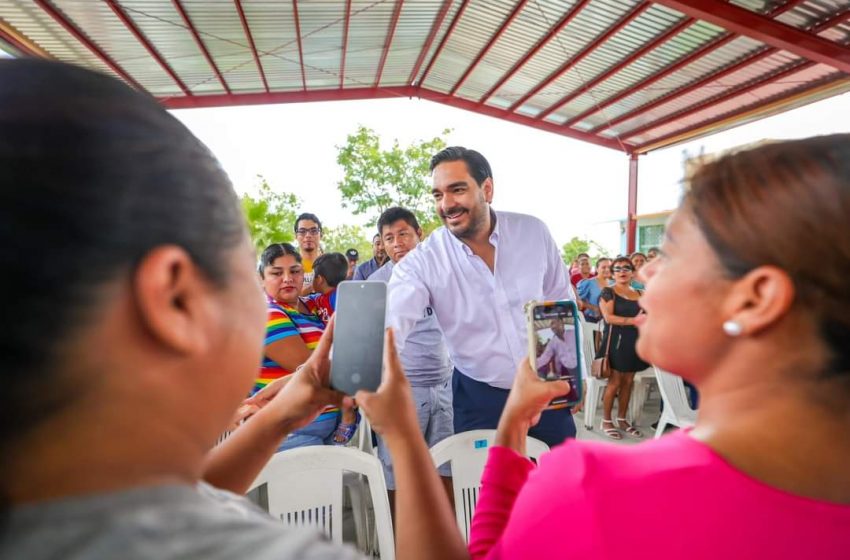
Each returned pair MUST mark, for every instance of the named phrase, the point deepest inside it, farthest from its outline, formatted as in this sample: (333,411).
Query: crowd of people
(138,318)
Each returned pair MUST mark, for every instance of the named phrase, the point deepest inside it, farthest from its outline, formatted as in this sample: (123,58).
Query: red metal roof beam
(704,50)
(622,22)
(491,111)
(247,29)
(345,25)
(764,29)
(388,43)
(66,24)
(131,26)
(438,22)
(179,7)
(444,40)
(224,100)
(551,34)
(661,39)
(835,20)
(300,47)
(502,28)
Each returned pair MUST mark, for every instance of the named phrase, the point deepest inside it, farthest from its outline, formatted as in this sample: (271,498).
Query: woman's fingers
(323,350)
(392,364)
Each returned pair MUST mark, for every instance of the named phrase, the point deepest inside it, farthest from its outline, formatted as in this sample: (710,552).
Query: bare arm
(425,523)
(235,463)
(288,353)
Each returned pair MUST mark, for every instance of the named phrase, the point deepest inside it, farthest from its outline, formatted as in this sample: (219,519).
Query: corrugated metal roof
(626,74)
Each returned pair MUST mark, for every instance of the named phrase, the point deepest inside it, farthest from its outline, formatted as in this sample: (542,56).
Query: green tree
(270,215)
(572,248)
(376,179)
(341,238)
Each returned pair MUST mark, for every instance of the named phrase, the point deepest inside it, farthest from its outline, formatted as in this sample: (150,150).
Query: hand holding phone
(358,336)
(554,351)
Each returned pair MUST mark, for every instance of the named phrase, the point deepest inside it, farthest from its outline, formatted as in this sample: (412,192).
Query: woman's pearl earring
(733,328)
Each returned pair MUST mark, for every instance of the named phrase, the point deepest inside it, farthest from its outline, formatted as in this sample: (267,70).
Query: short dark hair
(116,175)
(333,267)
(580,255)
(622,259)
(477,164)
(274,252)
(394,214)
(636,254)
(307,216)
(377,235)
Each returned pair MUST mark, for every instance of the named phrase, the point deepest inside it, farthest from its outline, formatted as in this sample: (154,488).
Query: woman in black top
(619,306)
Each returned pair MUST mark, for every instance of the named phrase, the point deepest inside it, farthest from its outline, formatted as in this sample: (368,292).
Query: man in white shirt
(563,352)
(425,359)
(477,273)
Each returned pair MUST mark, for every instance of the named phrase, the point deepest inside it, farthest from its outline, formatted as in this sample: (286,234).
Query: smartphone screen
(555,343)
(358,348)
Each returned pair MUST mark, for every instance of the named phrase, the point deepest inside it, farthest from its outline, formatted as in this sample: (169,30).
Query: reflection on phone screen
(556,347)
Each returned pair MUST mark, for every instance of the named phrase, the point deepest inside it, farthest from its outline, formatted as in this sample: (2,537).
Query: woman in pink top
(748,301)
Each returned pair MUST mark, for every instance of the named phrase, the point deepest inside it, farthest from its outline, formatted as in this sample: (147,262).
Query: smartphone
(555,347)
(358,349)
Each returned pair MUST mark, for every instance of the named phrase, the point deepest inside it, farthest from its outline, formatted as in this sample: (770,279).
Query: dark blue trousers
(478,406)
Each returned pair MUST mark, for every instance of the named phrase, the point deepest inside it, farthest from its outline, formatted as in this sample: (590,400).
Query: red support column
(631,227)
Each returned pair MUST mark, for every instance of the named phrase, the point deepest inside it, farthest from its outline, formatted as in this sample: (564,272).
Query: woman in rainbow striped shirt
(292,332)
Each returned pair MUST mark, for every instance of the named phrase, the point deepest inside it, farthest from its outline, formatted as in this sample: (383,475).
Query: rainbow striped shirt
(284,321)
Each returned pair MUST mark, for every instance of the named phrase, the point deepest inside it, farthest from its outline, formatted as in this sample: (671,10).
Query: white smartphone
(554,350)
(358,349)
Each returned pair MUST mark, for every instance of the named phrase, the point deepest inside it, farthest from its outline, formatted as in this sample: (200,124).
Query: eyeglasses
(305,231)
(622,269)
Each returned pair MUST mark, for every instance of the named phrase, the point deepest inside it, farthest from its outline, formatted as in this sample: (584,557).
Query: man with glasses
(379,259)
(308,234)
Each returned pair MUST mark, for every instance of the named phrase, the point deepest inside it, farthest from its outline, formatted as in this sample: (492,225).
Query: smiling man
(425,360)
(476,273)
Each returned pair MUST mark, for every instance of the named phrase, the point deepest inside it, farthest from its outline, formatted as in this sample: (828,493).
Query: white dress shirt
(564,352)
(424,357)
(481,313)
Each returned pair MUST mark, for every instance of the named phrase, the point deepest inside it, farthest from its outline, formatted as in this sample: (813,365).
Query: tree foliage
(575,246)
(270,215)
(376,179)
(341,238)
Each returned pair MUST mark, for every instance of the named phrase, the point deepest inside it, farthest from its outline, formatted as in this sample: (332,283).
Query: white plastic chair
(640,392)
(677,409)
(304,488)
(593,387)
(467,453)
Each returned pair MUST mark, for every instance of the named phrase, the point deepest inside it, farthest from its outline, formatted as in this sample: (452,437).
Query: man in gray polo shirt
(425,358)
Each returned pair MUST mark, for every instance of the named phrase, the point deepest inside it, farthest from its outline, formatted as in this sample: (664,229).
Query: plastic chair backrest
(303,488)
(588,349)
(674,394)
(467,454)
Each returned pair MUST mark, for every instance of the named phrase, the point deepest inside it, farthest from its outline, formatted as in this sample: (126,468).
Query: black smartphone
(554,345)
(358,349)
